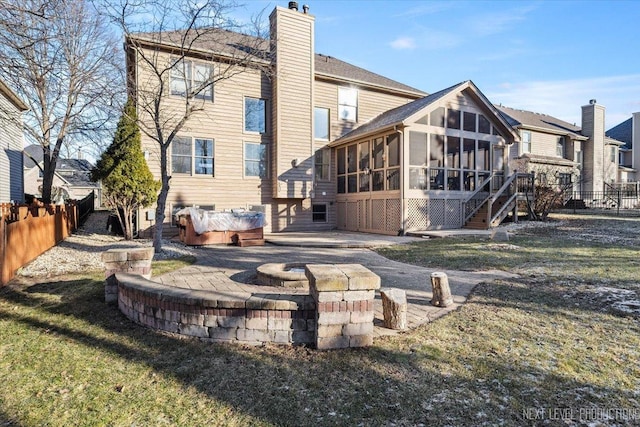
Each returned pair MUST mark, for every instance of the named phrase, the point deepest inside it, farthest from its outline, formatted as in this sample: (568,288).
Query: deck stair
(491,203)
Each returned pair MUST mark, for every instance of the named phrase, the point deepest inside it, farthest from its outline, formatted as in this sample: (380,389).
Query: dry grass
(518,349)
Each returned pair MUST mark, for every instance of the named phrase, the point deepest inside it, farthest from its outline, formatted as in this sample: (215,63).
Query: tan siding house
(12,141)
(266,137)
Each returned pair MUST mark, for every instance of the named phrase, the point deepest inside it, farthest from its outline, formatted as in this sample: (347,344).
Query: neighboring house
(582,155)
(628,132)
(11,141)
(72,177)
(326,144)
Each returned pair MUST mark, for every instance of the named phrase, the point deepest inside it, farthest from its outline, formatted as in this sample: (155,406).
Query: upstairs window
(321,123)
(526,141)
(255,115)
(188,76)
(348,104)
(560,147)
(613,154)
(192,156)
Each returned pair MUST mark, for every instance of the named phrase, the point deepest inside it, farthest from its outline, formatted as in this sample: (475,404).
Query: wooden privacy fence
(26,232)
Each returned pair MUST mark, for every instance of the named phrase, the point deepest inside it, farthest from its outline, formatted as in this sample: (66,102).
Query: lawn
(561,341)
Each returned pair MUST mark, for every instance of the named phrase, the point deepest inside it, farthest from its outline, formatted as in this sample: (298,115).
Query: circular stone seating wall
(284,319)
(338,312)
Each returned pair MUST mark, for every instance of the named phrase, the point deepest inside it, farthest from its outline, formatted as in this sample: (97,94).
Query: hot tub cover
(204,221)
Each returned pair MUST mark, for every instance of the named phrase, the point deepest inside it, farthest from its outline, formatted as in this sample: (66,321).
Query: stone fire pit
(290,275)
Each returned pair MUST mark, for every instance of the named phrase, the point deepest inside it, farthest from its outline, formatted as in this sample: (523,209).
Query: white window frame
(348,104)
(245,159)
(190,76)
(560,147)
(525,138)
(264,118)
(194,157)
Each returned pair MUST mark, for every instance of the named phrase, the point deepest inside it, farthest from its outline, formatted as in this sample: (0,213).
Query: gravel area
(82,251)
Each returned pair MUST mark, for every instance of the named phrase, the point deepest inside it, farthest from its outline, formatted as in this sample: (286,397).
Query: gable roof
(225,43)
(399,115)
(395,116)
(538,121)
(623,132)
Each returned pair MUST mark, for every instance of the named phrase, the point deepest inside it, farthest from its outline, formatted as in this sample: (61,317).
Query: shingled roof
(332,67)
(395,116)
(522,118)
(236,45)
(623,133)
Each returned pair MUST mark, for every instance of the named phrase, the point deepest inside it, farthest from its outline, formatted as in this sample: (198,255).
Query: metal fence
(610,199)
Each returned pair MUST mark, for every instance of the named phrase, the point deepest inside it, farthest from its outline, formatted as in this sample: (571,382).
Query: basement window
(319,212)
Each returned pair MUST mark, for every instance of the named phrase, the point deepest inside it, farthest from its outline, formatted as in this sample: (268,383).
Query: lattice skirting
(434,214)
(385,215)
(370,215)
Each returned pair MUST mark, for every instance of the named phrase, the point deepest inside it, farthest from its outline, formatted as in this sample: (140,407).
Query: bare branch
(63,61)
(165,40)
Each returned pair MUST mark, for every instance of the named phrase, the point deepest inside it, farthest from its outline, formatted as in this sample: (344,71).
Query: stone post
(344,295)
(129,260)
(394,308)
(441,292)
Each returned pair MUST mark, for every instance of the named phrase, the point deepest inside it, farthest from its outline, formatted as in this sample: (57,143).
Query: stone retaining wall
(129,260)
(285,319)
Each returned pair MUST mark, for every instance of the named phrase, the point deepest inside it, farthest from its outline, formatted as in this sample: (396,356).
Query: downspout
(403,170)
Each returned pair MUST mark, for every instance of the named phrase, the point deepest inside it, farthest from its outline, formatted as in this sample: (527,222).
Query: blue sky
(545,56)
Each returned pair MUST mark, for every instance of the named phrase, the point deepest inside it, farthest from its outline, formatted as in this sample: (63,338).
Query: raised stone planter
(291,275)
(129,260)
(344,295)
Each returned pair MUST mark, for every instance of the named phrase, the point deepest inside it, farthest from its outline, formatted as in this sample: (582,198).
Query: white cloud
(498,22)
(424,9)
(403,43)
(620,95)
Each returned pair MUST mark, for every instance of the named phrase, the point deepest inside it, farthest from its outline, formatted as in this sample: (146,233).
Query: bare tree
(160,38)
(63,61)
(552,187)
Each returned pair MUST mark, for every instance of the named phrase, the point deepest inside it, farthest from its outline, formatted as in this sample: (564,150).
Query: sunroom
(416,167)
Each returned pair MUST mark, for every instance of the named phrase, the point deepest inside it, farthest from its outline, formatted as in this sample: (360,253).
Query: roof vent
(293,5)
(305,8)
(592,101)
